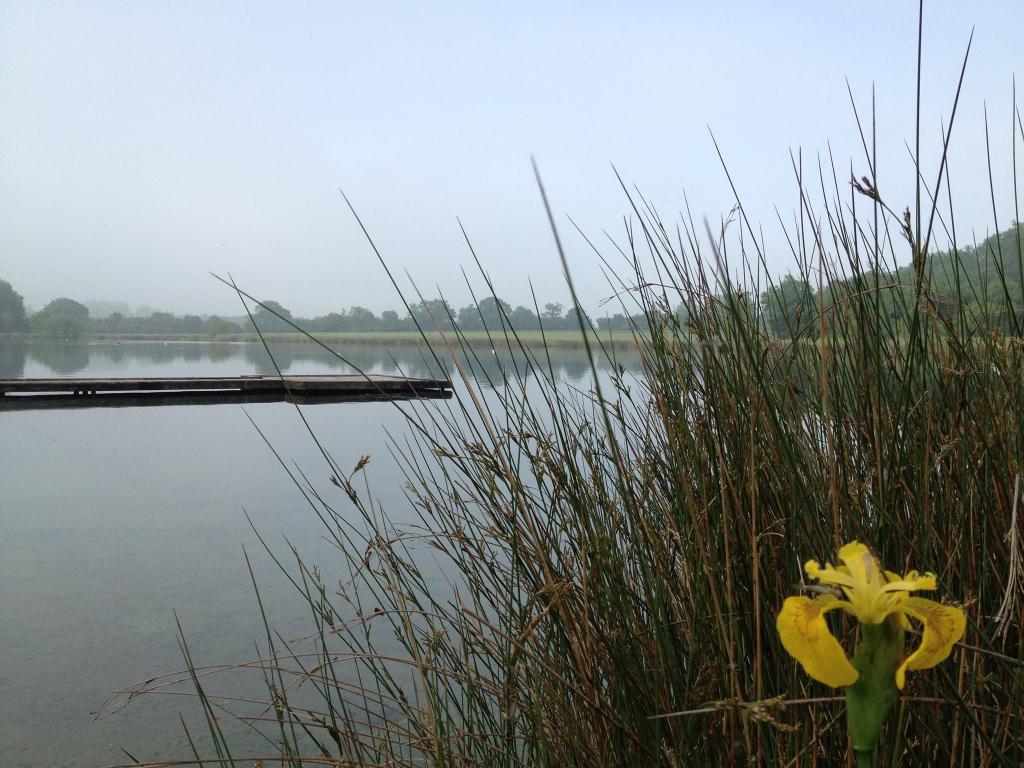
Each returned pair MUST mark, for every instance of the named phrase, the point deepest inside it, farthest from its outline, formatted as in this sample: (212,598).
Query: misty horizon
(145,146)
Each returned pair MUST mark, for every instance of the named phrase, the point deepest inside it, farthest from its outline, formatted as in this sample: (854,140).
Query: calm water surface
(113,519)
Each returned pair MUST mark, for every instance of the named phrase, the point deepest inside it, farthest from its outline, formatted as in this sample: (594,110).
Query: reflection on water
(51,358)
(62,359)
(12,360)
(115,519)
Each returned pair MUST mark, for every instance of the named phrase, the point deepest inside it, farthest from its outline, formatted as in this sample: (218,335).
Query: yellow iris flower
(871,594)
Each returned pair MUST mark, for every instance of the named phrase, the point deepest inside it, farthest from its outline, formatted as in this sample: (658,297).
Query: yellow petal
(861,563)
(944,625)
(806,637)
(912,582)
(839,577)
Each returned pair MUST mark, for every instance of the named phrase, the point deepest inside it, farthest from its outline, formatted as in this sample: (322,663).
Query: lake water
(114,519)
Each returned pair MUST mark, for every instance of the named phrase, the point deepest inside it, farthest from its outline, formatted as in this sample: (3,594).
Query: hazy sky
(145,144)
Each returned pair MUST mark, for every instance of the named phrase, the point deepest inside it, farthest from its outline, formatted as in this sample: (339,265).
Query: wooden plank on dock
(325,384)
(50,402)
(67,392)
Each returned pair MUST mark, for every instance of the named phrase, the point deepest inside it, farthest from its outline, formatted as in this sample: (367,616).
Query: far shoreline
(619,340)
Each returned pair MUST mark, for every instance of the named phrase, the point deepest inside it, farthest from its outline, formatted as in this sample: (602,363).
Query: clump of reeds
(615,558)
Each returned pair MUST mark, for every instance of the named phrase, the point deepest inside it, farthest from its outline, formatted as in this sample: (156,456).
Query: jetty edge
(304,388)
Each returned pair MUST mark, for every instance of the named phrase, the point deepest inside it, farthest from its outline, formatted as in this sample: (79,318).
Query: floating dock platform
(66,392)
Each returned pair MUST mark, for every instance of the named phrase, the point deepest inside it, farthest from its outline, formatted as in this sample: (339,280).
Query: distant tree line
(489,313)
(985,280)
(66,318)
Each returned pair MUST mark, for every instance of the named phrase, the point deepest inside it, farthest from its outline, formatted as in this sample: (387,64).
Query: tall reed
(615,557)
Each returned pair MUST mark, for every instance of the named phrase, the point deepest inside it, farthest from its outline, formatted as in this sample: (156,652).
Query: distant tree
(190,324)
(617,322)
(218,326)
(67,309)
(573,317)
(736,308)
(354,319)
(390,321)
(553,316)
(362,319)
(523,319)
(640,321)
(158,322)
(469,318)
(552,311)
(433,311)
(61,318)
(113,323)
(493,312)
(12,309)
(333,321)
(267,320)
(683,312)
(788,306)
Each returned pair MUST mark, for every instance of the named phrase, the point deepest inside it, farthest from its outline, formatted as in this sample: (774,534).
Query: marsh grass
(614,558)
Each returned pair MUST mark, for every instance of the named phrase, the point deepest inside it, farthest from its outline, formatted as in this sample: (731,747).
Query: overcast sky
(145,144)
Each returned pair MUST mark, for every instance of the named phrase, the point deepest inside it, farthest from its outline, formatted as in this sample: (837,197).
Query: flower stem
(870,698)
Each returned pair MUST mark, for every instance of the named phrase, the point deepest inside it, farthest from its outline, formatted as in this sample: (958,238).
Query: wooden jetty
(67,392)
